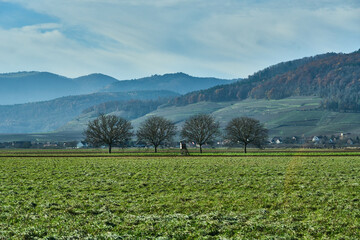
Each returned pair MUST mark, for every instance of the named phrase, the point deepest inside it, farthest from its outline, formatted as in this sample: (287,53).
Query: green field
(265,196)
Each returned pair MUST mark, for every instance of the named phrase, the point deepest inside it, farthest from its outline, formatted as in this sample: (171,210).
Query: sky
(129,39)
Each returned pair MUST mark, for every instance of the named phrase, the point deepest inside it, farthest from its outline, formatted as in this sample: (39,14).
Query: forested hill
(49,115)
(177,82)
(25,87)
(334,77)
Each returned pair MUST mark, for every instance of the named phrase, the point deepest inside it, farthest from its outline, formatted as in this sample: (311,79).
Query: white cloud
(129,39)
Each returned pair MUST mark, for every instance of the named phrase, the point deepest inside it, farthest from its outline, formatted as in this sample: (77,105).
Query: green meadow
(124,196)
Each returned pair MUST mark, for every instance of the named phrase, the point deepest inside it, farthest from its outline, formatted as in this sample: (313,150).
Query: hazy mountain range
(178,82)
(313,95)
(290,98)
(25,87)
(48,115)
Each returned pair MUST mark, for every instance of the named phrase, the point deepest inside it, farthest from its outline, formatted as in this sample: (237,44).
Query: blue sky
(135,38)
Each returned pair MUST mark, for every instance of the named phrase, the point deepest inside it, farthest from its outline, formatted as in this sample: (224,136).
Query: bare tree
(108,130)
(156,130)
(245,130)
(201,129)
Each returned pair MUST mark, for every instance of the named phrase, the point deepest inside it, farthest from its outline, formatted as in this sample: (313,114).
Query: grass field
(174,197)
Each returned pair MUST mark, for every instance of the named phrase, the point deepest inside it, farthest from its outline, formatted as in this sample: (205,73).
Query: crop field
(265,195)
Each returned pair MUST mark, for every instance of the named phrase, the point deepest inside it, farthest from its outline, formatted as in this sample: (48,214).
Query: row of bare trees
(111,130)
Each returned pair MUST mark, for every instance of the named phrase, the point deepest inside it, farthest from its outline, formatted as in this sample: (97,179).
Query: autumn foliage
(333,77)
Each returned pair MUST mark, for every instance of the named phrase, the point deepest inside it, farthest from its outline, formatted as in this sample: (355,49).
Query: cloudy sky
(135,38)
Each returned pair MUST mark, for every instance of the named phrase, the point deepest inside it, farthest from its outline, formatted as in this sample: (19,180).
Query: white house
(315,139)
(79,145)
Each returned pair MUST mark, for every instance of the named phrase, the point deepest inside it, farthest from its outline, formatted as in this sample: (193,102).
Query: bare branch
(201,129)
(156,130)
(108,130)
(245,131)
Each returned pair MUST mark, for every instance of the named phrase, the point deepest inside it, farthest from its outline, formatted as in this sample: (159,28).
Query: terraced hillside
(295,116)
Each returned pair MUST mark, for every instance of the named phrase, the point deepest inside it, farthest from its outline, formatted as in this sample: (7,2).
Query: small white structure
(315,139)
(79,145)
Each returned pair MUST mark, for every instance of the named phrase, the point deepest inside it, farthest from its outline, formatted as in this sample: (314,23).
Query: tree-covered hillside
(176,82)
(334,77)
(50,115)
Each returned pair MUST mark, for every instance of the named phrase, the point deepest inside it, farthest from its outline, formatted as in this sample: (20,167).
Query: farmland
(78,194)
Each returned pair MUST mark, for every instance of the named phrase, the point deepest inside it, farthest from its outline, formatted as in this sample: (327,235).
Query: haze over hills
(25,87)
(49,115)
(176,82)
(313,95)
(289,98)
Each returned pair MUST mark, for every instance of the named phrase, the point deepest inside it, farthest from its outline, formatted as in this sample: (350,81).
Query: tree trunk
(245,148)
(155,149)
(109,148)
(200,148)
